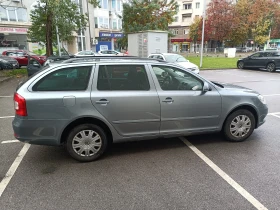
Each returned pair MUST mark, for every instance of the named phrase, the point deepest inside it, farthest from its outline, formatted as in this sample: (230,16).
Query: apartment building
(188,11)
(105,24)
(14,23)
(102,31)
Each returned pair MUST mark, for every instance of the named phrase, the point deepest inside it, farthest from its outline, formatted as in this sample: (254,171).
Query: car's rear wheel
(86,142)
(239,125)
(240,65)
(271,67)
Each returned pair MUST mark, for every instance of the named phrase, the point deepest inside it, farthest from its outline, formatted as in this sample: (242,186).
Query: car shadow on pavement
(144,146)
(39,154)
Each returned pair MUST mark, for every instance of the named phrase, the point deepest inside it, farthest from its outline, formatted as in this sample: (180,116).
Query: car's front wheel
(239,125)
(240,65)
(86,142)
(271,67)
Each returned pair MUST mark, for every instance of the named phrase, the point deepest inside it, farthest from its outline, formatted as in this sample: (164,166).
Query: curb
(5,79)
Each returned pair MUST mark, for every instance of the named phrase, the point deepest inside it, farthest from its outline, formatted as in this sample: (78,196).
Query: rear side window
(122,77)
(67,79)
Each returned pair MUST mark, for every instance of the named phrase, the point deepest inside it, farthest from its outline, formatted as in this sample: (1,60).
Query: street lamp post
(202,39)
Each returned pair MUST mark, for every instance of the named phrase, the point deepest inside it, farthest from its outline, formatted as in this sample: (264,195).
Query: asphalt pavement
(204,172)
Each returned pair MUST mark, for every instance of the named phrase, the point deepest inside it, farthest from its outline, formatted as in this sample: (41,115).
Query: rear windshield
(28,78)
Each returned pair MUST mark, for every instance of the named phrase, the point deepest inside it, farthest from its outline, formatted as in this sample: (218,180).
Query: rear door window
(122,77)
(67,79)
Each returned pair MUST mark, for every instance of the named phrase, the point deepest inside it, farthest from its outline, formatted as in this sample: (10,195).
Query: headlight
(262,99)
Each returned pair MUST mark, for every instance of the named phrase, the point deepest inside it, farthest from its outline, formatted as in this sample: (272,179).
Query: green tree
(48,14)
(141,15)
(194,31)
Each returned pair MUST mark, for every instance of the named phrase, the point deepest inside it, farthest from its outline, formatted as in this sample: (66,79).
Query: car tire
(86,142)
(240,65)
(271,67)
(239,125)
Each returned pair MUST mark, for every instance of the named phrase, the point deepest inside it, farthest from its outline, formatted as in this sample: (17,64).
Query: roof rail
(99,58)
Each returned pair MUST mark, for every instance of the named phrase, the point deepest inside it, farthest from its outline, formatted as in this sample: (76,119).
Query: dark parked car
(8,63)
(269,60)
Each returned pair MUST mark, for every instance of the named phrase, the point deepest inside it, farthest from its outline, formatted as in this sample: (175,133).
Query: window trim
(123,64)
(38,80)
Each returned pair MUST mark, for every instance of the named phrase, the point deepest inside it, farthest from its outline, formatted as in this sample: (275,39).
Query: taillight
(20,105)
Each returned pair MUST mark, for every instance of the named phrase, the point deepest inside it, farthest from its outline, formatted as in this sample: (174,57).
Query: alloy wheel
(240,126)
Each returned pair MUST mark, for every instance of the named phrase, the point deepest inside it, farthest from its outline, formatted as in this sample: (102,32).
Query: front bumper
(262,115)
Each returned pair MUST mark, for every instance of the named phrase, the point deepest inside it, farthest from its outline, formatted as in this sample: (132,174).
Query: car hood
(234,87)
(187,64)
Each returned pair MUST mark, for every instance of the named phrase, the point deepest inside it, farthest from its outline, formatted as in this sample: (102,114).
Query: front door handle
(168,100)
(102,102)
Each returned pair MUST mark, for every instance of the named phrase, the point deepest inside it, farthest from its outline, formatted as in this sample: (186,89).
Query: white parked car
(111,52)
(175,58)
(85,53)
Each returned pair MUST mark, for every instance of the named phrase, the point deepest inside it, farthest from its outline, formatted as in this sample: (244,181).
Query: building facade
(188,11)
(102,31)
(14,24)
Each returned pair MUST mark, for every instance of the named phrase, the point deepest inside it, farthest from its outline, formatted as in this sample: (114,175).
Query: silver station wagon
(86,106)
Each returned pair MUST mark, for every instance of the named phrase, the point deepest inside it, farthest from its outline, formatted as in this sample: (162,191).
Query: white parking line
(272,95)
(9,175)
(5,117)
(274,115)
(226,177)
(9,141)
(6,96)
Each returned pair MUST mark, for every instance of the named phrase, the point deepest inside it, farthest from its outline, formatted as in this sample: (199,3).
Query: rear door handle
(102,102)
(168,100)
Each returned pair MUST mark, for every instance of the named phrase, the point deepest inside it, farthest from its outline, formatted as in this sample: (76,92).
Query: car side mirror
(206,87)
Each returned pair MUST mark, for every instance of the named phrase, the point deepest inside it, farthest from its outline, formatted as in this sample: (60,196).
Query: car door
(125,95)
(256,60)
(185,107)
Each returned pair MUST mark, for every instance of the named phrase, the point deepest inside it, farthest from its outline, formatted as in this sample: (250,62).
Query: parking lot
(193,172)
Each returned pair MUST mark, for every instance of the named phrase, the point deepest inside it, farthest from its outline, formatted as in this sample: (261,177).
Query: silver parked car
(86,106)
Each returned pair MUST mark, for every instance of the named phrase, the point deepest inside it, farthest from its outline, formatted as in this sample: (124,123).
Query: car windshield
(175,58)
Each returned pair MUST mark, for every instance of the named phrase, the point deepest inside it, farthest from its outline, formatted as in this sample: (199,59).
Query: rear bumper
(40,132)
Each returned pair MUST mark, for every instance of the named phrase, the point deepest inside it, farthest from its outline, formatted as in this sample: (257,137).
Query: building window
(187,6)
(81,41)
(186,17)
(3,14)
(118,5)
(21,14)
(103,22)
(104,4)
(115,24)
(95,22)
(16,14)
(186,31)
(176,19)
(119,24)
(114,4)
(197,5)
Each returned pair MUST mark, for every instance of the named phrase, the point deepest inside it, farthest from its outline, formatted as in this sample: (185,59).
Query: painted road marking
(9,175)
(274,115)
(5,117)
(6,96)
(9,141)
(272,95)
(226,177)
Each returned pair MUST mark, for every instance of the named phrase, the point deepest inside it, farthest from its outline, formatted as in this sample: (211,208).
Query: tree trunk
(49,49)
